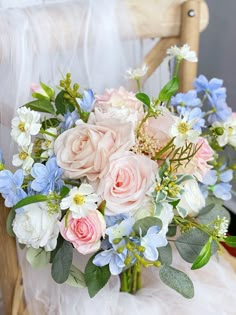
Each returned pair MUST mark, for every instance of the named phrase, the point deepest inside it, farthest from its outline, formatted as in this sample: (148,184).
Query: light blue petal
(151,253)
(223,191)
(226,176)
(103,258)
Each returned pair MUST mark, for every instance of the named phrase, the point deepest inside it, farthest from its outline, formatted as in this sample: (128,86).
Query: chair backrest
(175,22)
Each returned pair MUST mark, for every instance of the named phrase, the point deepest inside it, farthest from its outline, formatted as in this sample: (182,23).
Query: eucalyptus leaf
(204,256)
(144,98)
(76,278)
(29,200)
(182,212)
(231,241)
(96,277)
(44,106)
(169,89)
(190,244)
(165,254)
(172,229)
(62,262)
(177,280)
(38,258)
(211,215)
(10,219)
(145,223)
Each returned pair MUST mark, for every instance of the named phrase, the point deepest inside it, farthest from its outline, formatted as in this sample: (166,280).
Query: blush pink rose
(85,149)
(159,128)
(198,165)
(127,181)
(85,233)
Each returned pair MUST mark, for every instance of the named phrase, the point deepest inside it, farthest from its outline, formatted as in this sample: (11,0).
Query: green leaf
(182,212)
(172,229)
(76,278)
(169,89)
(145,223)
(144,98)
(231,241)
(96,277)
(38,258)
(10,219)
(40,96)
(64,191)
(52,122)
(63,104)
(49,91)
(177,280)
(44,106)
(204,256)
(165,254)
(206,209)
(30,199)
(206,217)
(190,244)
(62,262)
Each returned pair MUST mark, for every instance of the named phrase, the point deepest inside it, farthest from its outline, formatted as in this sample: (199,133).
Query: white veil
(39,41)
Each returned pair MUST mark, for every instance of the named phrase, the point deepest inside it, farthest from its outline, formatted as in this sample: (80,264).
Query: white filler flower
(36,227)
(48,143)
(136,74)
(183,52)
(80,201)
(24,159)
(25,125)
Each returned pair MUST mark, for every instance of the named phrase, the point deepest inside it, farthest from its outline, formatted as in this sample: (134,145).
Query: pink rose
(159,128)
(128,179)
(84,233)
(198,165)
(85,149)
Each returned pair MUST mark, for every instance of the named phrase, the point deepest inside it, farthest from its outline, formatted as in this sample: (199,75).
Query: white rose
(36,227)
(192,199)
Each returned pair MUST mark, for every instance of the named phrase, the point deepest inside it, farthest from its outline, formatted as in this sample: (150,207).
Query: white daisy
(183,52)
(136,74)
(229,132)
(48,144)
(80,201)
(25,125)
(24,159)
(182,131)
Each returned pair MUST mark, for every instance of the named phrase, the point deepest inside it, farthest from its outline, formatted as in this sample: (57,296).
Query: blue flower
(111,257)
(220,110)
(193,114)
(188,99)
(87,102)
(70,119)
(151,241)
(223,191)
(124,228)
(201,84)
(47,177)
(10,187)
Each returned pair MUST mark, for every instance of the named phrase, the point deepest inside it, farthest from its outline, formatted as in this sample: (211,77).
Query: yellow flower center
(21,126)
(230,130)
(183,127)
(47,143)
(23,155)
(78,199)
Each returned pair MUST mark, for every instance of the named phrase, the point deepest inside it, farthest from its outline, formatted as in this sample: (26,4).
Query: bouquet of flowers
(122,177)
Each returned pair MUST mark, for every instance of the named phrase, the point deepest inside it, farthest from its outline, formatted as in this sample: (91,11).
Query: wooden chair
(181,23)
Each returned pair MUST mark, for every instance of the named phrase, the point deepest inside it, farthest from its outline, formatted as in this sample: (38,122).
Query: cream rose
(128,179)
(35,227)
(84,233)
(85,149)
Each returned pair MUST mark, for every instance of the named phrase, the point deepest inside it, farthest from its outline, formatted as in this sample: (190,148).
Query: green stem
(47,133)
(124,282)
(138,84)
(134,278)
(164,149)
(139,277)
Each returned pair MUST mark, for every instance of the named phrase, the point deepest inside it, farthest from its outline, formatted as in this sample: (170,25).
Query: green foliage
(10,219)
(231,241)
(165,254)
(61,262)
(38,258)
(177,280)
(169,89)
(44,106)
(172,229)
(51,122)
(204,256)
(190,244)
(29,200)
(145,223)
(144,98)
(96,277)
(213,209)
(62,103)
(48,90)
(76,278)
(64,191)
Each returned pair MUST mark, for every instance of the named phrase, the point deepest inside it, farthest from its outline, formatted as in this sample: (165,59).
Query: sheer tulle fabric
(37,47)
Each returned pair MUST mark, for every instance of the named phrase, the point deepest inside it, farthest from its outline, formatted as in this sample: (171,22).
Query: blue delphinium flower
(220,110)
(202,84)
(124,228)
(111,257)
(188,99)
(195,114)
(47,177)
(70,119)
(87,102)
(151,241)
(10,187)
(218,182)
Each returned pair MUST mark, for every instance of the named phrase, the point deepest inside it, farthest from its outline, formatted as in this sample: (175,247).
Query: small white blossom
(221,226)
(137,73)
(48,144)
(182,131)
(229,131)
(23,159)
(80,201)
(25,125)
(183,52)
